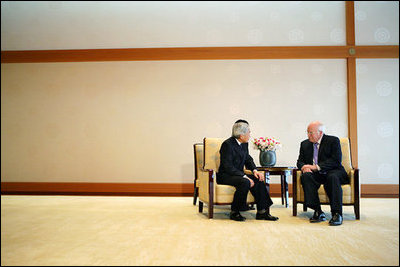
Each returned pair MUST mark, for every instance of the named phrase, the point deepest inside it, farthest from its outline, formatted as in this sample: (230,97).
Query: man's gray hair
(240,128)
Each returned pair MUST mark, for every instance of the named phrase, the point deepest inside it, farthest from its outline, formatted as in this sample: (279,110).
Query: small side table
(283,171)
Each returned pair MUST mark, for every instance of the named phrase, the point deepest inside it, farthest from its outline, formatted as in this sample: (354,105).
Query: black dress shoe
(266,216)
(337,219)
(236,217)
(318,217)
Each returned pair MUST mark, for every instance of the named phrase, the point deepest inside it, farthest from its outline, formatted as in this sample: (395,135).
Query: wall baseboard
(107,189)
(153,189)
(380,190)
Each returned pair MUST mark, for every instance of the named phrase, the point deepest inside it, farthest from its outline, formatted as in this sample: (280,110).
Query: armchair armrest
(206,184)
(248,172)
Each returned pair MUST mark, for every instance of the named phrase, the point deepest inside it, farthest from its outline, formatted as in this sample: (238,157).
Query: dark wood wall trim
(199,53)
(152,189)
(120,189)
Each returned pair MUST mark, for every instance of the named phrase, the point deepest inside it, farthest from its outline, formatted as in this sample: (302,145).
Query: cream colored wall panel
(41,25)
(376,22)
(137,121)
(378,120)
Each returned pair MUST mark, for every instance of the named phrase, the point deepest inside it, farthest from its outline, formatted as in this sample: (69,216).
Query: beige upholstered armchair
(210,192)
(351,191)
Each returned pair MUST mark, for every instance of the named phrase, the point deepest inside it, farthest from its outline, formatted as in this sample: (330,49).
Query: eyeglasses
(311,132)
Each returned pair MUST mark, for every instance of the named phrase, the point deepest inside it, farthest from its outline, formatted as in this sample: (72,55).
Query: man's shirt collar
(319,141)
(237,140)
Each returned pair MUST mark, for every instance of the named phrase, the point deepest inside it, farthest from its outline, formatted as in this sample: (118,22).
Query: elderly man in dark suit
(234,155)
(320,161)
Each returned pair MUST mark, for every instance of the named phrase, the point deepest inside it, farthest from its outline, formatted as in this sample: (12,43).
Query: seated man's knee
(333,179)
(244,183)
(306,176)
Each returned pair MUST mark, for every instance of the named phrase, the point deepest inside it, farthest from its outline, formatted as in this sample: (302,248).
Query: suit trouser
(332,182)
(242,185)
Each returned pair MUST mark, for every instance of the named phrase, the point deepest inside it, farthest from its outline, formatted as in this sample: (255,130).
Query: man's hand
(309,168)
(258,175)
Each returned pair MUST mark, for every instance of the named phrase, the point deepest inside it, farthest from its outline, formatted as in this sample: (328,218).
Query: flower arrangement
(265,143)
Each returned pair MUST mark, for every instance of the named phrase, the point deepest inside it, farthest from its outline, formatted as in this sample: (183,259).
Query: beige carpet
(84,230)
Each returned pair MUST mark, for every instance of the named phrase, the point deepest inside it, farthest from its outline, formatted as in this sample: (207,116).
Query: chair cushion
(224,194)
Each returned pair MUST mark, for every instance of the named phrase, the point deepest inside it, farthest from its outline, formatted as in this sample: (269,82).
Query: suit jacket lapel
(321,147)
(311,154)
(239,150)
(236,147)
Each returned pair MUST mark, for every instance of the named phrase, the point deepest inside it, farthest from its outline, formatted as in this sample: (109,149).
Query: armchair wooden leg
(282,189)
(357,194)
(200,206)
(357,209)
(196,193)
(294,196)
(210,211)
(294,204)
(210,195)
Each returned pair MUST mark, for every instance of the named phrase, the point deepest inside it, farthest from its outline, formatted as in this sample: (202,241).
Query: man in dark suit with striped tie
(234,155)
(320,161)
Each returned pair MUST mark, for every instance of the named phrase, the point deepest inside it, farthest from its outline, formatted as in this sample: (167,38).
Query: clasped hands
(309,168)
